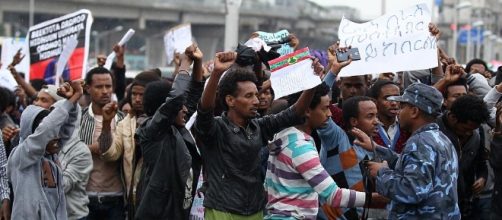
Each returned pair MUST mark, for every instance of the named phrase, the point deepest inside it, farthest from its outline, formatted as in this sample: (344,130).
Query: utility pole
(232,24)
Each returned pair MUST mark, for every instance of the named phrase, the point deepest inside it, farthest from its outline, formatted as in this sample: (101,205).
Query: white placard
(10,46)
(68,49)
(394,42)
(7,80)
(177,39)
(111,56)
(292,73)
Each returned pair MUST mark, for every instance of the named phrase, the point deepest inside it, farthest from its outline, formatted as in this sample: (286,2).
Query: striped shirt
(296,180)
(87,124)
(4,186)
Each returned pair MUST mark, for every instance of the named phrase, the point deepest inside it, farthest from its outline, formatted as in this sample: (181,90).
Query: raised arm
(30,91)
(197,84)
(222,62)
(165,115)
(68,127)
(334,66)
(119,70)
(34,146)
(106,138)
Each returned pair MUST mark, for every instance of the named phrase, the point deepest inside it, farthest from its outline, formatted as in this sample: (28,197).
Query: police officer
(422,181)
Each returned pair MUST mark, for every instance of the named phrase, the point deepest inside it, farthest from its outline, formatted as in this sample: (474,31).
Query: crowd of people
(423,144)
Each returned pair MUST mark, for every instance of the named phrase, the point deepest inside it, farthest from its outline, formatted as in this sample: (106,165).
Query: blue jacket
(422,181)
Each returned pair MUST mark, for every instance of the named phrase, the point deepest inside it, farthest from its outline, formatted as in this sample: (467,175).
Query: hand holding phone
(344,55)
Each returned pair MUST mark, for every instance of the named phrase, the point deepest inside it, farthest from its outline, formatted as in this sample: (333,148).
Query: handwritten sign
(394,42)
(280,38)
(111,56)
(292,73)
(177,39)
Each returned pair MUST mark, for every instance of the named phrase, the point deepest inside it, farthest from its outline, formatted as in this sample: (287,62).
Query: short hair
(155,94)
(459,82)
(365,78)
(5,97)
(228,83)
(320,91)
(351,107)
(475,61)
(470,108)
(376,89)
(96,70)
(498,74)
(145,77)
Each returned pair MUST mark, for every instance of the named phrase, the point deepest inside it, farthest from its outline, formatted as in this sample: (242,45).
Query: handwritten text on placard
(397,41)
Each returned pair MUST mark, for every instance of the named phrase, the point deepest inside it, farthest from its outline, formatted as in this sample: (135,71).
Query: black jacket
(496,163)
(472,159)
(232,160)
(169,152)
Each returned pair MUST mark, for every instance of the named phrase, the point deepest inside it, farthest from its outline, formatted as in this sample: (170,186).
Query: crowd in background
(421,144)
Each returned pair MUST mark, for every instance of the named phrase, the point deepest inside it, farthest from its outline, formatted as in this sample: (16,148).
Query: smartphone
(353,52)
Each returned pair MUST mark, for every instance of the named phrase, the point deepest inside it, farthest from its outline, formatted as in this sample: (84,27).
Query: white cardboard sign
(397,41)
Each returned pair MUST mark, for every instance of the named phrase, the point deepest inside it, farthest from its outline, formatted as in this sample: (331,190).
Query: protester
(495,162)
(121,144)
(338,154)
(390,134)
(4,185)
(36,177)
(462,126)
(233,175)
(76,164)
(294,164)
(171,161)
(104,188)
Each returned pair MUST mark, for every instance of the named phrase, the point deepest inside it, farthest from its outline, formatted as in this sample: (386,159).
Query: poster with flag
(45,45)
(293,73)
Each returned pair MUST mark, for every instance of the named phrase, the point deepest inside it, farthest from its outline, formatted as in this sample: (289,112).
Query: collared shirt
(392,130)
(105,178)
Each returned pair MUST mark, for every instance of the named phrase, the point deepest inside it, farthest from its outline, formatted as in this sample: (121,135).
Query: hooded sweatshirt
(32,172)
(76,163)
(296,179)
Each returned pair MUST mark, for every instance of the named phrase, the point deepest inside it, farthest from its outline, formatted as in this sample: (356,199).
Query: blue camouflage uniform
(422,181)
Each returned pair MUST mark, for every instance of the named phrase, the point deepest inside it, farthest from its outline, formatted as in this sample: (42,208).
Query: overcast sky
(370,9)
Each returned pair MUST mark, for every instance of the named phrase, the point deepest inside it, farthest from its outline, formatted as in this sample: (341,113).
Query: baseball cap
(52,91)
(424,97)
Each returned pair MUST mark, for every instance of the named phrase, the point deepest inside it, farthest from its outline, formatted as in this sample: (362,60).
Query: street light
(97,36)
(459,6)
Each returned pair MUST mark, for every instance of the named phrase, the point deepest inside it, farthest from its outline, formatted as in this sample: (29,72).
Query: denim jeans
(106,208)
(481,208)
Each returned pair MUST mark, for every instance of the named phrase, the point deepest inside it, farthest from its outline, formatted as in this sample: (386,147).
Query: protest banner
(280,38)
(292,73)
(45,43)
(111,56)
(176,40)
(394,42)
(10,46)
(7,80)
